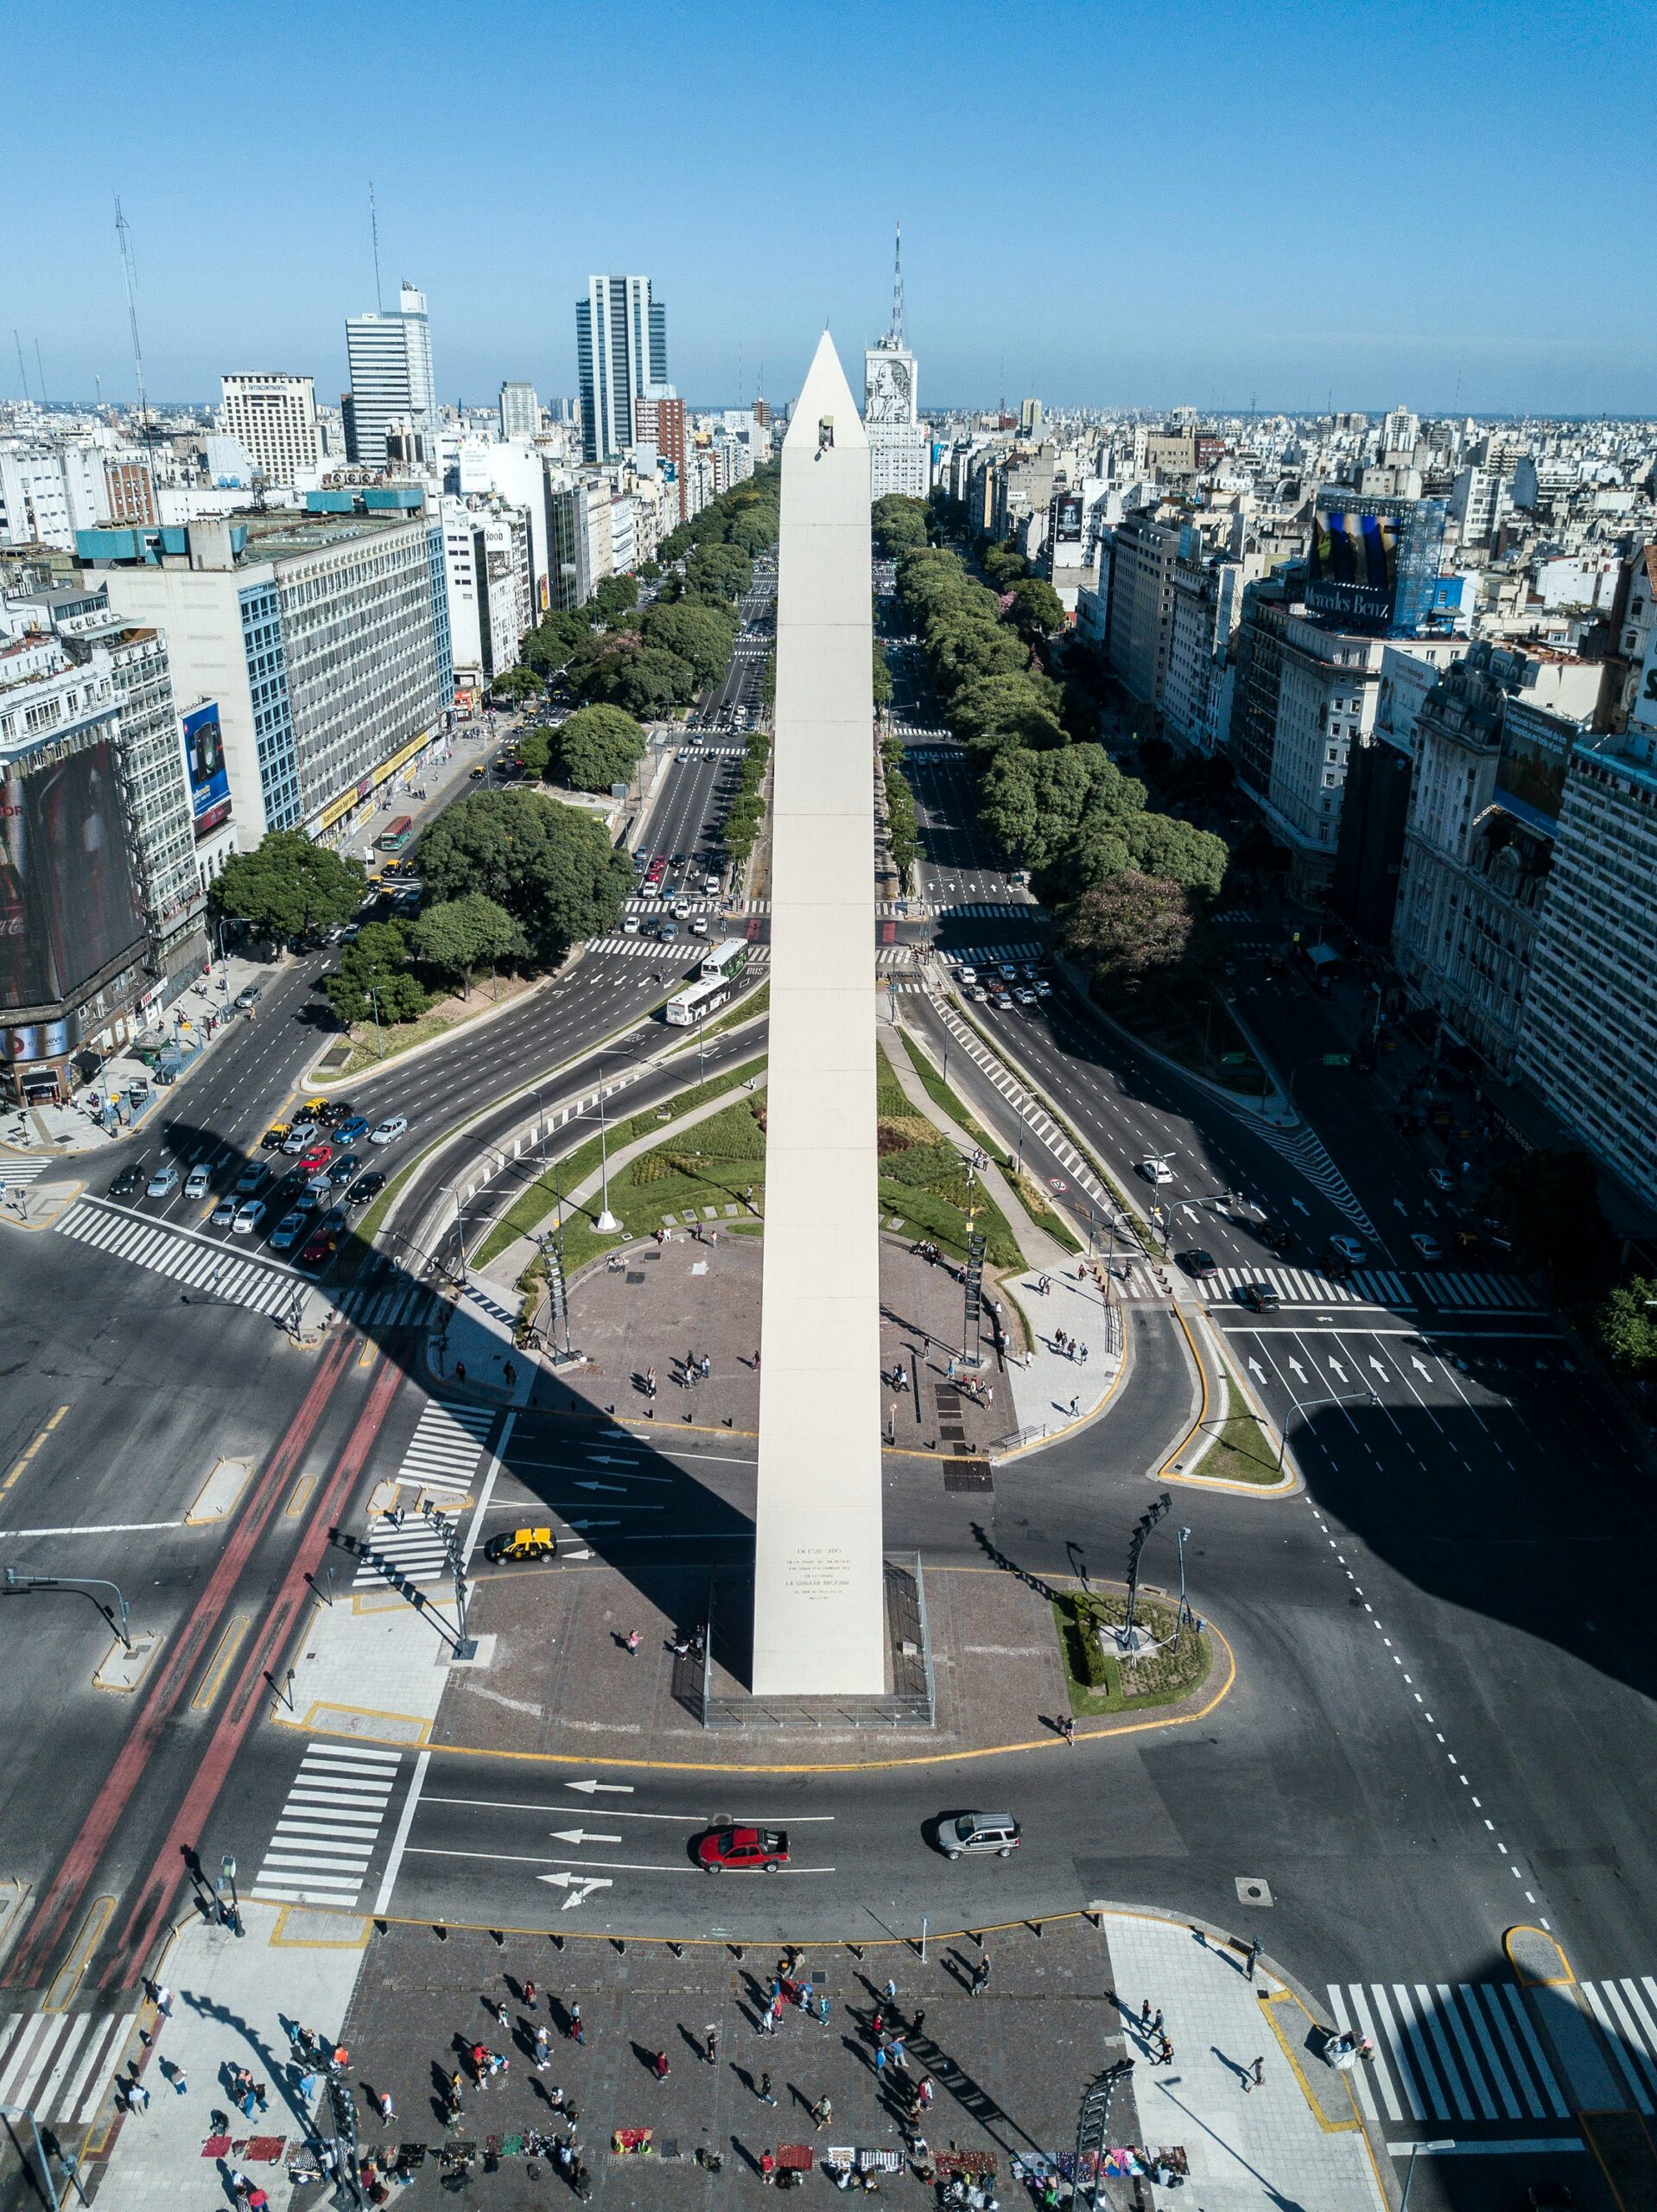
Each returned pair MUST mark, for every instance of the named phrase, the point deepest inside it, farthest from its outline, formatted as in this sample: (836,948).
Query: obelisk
(819,1609)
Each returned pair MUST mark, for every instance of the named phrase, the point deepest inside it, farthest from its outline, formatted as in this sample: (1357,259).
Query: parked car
(249,1215)
(390,1130)
(742,1847)
(962,1836)
(198,1181)
(249,996)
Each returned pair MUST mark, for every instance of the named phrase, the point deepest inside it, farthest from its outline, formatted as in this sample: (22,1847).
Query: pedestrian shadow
(278,2070)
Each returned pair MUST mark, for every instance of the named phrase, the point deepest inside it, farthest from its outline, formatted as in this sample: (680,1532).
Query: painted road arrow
(1298,1202)
(617,1789)
(1257,1371)
(1297,1370)
(1335,1368)
(580,1836)
(614,1488)
(1420,1366)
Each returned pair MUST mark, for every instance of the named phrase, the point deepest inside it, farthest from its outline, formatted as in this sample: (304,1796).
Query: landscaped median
(1171,1663)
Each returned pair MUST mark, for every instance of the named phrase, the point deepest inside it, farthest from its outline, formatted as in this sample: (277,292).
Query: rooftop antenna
(41,371)
(374,225)
(124,235)
(21,370)
(897,289)
(98,387)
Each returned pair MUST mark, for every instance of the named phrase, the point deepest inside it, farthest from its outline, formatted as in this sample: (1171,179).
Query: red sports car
(742,1847)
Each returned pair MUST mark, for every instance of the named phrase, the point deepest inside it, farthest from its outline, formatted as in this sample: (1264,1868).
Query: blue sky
(1123,204)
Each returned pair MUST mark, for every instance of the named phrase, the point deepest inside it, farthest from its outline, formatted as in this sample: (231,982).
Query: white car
(301,1137)
(249,1215)
(389,1131)
(977,993)
(1156,1170)
(164,1180)
(1025,997)
(699,927)
(1349,1250)
(224,1213)
(1427,1245)
(199,1182)
(968,977)
(630,926)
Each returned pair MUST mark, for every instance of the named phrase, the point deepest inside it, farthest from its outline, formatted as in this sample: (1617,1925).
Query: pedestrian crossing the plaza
(197,1263)
(1461,2051)
(1382,1287)
(440,1462)
(59,2065)
(328,1827)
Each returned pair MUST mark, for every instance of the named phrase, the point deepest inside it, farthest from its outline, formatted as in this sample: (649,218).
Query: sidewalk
(101,1112)
(1050,1389)
(232,2001)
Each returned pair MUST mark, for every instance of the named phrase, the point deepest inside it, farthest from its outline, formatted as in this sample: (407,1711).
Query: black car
(335,1111)
(366,1187)
(1261,1296)
(128,1183)
(1199,1265)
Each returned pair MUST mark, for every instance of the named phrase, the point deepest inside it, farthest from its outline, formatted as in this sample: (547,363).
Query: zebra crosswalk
(1464,2051)
(440,1462)
(1627,2010)
(16,1174)
(1382,1287)
(699,905)
(992,910)
(993,955)
(378,1304)
(328,1827)
(59,2065)
(635,948)
(199,1262)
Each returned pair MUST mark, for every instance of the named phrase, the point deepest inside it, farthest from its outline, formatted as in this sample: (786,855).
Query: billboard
(204,757)
(69,908)
(1353,570)
(1535,756)
(1067,518)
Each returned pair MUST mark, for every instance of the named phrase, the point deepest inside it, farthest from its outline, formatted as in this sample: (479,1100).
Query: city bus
(729,959)
(698,1002)
(396,834)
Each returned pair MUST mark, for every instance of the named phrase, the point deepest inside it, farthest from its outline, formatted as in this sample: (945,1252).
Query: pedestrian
(899,2056)
(1165,2052)
(388,2109)
(511,1373)
(767,2168)
(880,2062)
(634,1639)
(180,2084)
(542,2047)
(528,1994)
(499,2008)
(768,2021)
(660,2062)
(1144,2017)
(163,2000)
(1067,1727)
(710,2043)
(138,2097)
(459,1370)
(705,1367)
(650,1382)
(1084,1355)
(822,2112)
(577,2032)
(766,2095)
(822,2010)
(925,2093)
(876,2024)
(754,1362)
(1251,1952)
(918,2023)
(1075,1408)
(239,2184)
(1155,2024)
(892,1990)
(1258,2071)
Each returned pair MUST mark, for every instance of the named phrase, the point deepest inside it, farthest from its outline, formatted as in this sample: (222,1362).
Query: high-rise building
(900,449)
(272,416)
(391,386)
(520,411)
(621,350)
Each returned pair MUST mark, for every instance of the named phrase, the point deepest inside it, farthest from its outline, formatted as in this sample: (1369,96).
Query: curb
(1170,1473)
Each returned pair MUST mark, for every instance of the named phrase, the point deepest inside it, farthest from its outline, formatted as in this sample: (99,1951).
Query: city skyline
(1198,265)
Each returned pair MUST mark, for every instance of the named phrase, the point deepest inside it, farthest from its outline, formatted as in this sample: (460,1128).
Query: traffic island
(1164,1660)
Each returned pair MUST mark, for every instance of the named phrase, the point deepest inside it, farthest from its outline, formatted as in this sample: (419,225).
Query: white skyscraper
(272,416)
(621,351)
(390,379)
(520,411)
(900,448)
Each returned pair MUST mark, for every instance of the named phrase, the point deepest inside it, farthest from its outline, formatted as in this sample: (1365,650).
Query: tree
(642,680)
(598,747)
(288,887)
(721,569)
(551,866)
(882,676)
(901,838)
(516,684)
(964,646)
(1037,610)
(1016,710)
(1195,859)
(457,935)
(612,598)
(1004,565)
(1128,930)
(535,751)
(1626,1325)
(898,522)
(372,979)
(701,637)
(549,644)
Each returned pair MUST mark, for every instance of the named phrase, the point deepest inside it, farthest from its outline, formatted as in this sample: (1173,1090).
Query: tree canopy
(372,981)
(288,887)
(457,935)
(1627,1325)
(1128,930)
(598,747)
(898,522)
(700,635)
(551,866)
(613,597)
(1037,611)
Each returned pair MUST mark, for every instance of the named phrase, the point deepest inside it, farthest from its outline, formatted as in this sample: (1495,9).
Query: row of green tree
(748,807)
(1127,884)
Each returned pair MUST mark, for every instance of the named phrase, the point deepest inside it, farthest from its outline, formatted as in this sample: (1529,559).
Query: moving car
(128,1183)
(390,1130)
(1026,996)
(278,1133)
(630,926)
(199,1181)
(742,1847)
(253,1177)
(968,975)
(249,1215)
(315,1158)
(287,1231)
(1261,1296)
(344,1168)
(668,931)
(1349,1250)
(521,1543)
(226,1209)
(320,1247)
(249,996)
(164,1179)
(301,1134)
(1156,1170)
(352,1130)
(973,1834)
(367,1187)
(1427,1245)
(1199,1265)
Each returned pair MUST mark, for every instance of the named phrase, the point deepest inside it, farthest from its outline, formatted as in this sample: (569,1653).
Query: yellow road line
(1330,2127)
(27,1453)
(212,1680)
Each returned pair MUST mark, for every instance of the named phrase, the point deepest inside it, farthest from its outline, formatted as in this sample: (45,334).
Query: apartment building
(272,416)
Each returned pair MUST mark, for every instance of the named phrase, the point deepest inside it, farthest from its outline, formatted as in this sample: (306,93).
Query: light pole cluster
(442,1527)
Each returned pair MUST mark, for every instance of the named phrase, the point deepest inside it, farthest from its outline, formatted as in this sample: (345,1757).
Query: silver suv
(977,1833)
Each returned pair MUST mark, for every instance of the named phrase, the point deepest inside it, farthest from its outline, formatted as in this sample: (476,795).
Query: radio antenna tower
(17,341)
(897,289)
(125,237)
(374,226)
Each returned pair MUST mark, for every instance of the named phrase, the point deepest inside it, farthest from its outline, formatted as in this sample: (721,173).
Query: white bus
(729,958)
(700,1001)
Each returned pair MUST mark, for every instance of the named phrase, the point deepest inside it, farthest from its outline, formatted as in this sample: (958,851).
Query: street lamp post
(118,1616)
(1182,1537)
(227,1874)
(379,1044)
(23,2112)
(1444,2143)
(1310,1406)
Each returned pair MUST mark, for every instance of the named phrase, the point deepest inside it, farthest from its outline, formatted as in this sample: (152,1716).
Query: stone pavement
(1053,1389)
(232,1998)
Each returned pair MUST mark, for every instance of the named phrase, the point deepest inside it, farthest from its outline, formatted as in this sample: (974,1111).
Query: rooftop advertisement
(69,908)
(1353,570)
(1535,756)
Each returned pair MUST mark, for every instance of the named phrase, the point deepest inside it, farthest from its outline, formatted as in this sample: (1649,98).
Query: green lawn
(1164,1676)
(1241,1452)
